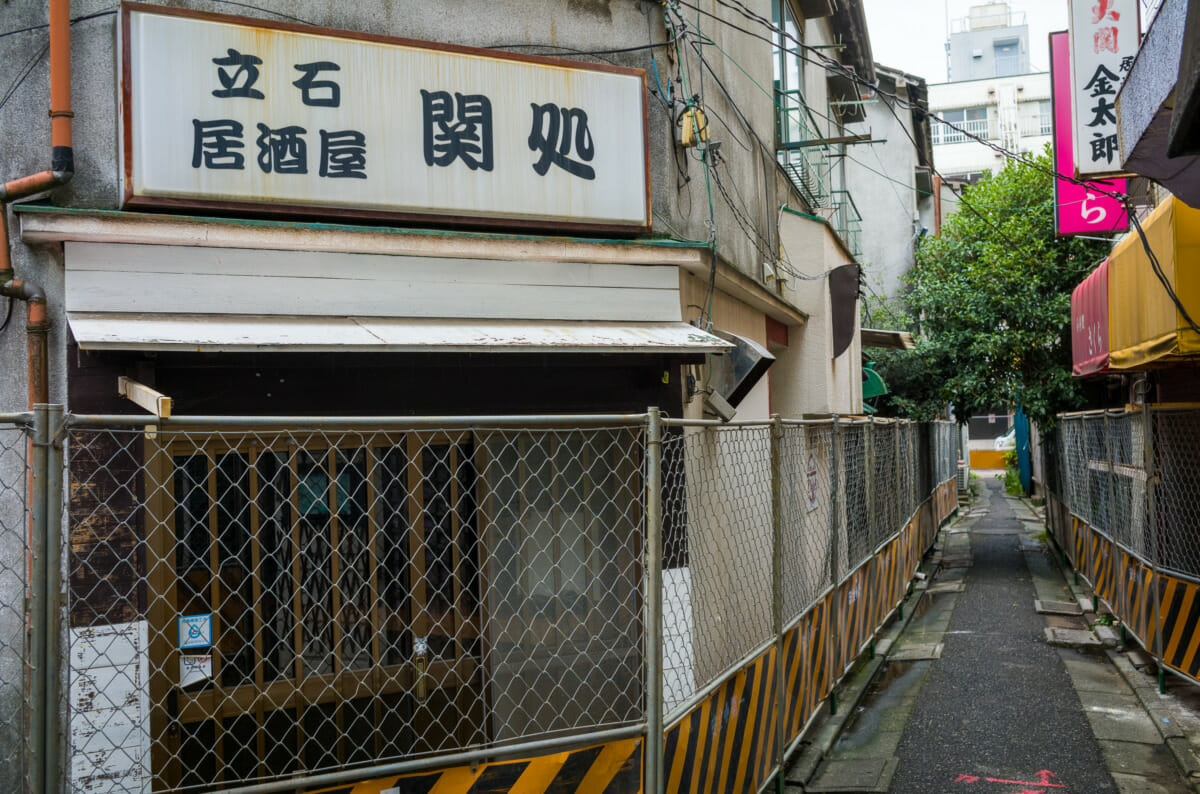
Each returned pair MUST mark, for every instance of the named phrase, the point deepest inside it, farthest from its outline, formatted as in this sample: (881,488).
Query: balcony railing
(944,133)
(808,165)
(847,220)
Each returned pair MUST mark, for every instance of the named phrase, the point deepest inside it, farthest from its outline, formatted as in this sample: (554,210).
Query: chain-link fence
(16,658)
(305,601)
(1130,479)
(845,489)
(1099,462)
(1176,455)
(257,601)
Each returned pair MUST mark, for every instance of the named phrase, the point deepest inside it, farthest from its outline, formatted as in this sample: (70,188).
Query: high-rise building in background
(992,94)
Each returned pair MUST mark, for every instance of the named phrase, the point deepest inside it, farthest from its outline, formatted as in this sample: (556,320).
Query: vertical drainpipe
(62,168)
(45,774)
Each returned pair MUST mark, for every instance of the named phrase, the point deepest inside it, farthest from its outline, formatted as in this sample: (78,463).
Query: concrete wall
(882,179)
(1007,100)
(818,382)
(963,47)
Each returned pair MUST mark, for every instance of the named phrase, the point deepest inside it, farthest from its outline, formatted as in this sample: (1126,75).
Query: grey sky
(911,34)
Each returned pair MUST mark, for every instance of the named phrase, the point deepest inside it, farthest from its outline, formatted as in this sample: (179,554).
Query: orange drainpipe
(62,168)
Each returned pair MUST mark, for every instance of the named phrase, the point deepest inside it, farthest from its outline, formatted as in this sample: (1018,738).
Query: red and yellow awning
(1144,324)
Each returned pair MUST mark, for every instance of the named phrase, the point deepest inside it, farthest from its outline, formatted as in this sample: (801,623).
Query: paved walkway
(971,697)
(999,703)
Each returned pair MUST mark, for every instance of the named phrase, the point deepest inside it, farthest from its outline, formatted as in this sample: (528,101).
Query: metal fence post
(834,525)
(652,773)
(38,610)
(869,480)
(1119,594)
(54,726)
(777,589)
(1154,547)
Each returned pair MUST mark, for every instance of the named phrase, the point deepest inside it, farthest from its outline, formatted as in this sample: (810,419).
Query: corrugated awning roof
(211,333)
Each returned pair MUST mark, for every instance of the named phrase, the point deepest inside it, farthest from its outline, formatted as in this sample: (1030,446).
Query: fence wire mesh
(851,489)
(855,545)
(1102,479)
(250,605)
(717,545)
(1176,440)
(807,515)
(15,562)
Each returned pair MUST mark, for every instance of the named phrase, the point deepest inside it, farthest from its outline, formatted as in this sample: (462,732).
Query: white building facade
(1011,110)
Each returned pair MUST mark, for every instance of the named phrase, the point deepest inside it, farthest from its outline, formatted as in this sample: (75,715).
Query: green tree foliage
(991,298)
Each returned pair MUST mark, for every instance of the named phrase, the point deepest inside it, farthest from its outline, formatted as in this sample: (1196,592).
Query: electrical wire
(25,72)
(83,18)
(613,51)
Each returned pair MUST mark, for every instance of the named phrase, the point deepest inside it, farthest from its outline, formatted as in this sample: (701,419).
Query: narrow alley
(973,697)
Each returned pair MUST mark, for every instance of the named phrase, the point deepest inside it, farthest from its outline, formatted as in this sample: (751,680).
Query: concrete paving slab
(866,774)
(947,587)
(1091,673)
(1139,658)
(1056,607)
(1081,639)
(877,745)
(1110,636)
(912,652)
(1067,622)
(1136,784)
(1118,717)
(952,575)
(1185,755)
(1135,758)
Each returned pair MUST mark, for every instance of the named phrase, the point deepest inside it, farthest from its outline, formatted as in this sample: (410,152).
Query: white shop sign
(223,111)
(109,747)
(1104,42)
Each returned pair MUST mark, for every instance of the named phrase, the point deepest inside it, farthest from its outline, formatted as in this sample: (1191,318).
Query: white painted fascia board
(147,229)
(227,333)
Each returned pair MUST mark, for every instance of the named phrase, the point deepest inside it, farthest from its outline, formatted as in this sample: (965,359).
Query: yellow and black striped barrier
(1128,585)
(614,768)
(728,741)
(1179,607)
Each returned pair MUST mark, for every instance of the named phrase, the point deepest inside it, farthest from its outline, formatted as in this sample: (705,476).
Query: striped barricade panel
(805,669)
(850,620)
(1102,567)
(1079,545)
(1138,600)
(727,742)
(811,664)
(1179,608)
(614,768)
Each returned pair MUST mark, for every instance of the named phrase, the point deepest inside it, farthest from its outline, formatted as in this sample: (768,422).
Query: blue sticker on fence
(195,631)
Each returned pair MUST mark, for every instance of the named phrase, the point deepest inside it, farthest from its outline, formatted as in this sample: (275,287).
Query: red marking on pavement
(1023,782)
(1043,780)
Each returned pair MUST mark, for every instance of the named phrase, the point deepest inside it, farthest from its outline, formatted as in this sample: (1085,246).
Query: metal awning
(1145,327)
(214,333)
(896,340)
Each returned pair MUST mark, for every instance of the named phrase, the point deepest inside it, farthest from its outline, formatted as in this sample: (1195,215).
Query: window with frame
(973,120)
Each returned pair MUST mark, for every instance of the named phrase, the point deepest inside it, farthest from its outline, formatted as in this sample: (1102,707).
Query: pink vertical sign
(1078,209)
